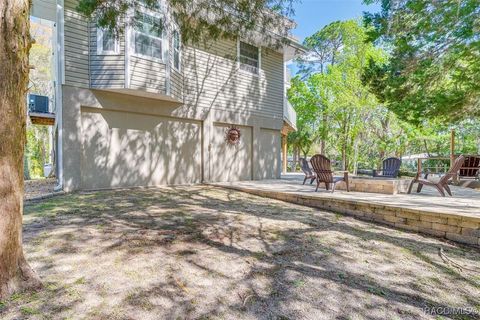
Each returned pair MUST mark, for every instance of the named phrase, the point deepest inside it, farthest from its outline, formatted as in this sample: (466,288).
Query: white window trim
(179,69)
(162,38)
(259,58)
(100,51)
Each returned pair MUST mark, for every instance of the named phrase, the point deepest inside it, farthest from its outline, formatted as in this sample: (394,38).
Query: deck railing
(438,168)
(436,165)
(289,114)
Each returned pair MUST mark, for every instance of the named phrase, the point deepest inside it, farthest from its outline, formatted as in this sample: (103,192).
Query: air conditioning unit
(37,103)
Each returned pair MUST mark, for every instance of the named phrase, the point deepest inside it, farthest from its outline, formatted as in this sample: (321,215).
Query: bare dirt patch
(39,187)
(209,253)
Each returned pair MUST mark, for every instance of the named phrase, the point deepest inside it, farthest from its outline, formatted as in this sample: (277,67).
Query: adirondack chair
(471,167)
(307,171)
(322,168)
(442,184)
(391,168)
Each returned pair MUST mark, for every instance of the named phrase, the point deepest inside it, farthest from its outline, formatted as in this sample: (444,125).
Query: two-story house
(146,109)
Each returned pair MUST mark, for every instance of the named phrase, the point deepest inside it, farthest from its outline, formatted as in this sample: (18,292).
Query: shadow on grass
(186,222)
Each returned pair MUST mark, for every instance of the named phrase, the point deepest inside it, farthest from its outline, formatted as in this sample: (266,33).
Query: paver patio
(456,218)
(465,201)
(209,253)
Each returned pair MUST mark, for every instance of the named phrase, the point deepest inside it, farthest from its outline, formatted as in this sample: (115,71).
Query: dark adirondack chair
(442,184)
(391,168)
(308,172)
(471,167)
(322,168)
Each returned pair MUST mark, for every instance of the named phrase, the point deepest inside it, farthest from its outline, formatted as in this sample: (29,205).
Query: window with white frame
(148,35)
(176,50)
(107,42)
(249,57)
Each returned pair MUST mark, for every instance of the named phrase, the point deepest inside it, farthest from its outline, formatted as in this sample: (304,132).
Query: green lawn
(209,253)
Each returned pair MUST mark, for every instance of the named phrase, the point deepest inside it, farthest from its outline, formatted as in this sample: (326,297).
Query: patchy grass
(209,253)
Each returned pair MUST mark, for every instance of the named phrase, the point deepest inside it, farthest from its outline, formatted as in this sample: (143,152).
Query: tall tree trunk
(15,273)
(324,133)
(305,153)
(355,157)
(43,158)
(426,147)
(294,159)
(26,171)
(381,154)
(344,156)
(53,161)
(344,145)
(297,157)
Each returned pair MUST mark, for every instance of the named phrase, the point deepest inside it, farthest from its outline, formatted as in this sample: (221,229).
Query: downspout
(127,45)
(59,81)
(167,37)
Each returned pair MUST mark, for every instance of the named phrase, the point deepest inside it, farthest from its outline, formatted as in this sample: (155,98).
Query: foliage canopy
(338,115)
(333,106)
(198,20)
(434,65)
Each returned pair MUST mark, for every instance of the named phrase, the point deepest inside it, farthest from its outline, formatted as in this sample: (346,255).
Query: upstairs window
(176,50)
(107,43)
(148,35)
(249,57)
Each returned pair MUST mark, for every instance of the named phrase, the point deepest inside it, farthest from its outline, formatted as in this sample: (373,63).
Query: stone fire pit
(376,185)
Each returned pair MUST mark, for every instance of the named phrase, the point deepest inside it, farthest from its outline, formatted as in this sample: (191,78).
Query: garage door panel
(126,149)
(231,163)
(269,154)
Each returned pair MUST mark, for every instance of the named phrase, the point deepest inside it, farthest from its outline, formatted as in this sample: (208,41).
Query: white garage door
(123,149)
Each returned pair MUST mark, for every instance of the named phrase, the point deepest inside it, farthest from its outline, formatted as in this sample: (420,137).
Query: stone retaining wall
(457,228)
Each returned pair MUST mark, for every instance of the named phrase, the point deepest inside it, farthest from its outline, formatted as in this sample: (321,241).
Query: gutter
(59,81)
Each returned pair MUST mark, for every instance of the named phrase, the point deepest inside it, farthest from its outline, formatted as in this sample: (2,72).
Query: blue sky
(312,15)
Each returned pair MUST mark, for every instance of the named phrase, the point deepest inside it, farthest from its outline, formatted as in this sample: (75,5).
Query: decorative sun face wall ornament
(233,135)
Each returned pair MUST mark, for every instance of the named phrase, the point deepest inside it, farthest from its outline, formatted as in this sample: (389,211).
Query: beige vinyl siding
(209,79)
(148,75)
(44,9)
(176,76)
(76,46)
(106,70)
(212,79)
(272,67)
(176,84)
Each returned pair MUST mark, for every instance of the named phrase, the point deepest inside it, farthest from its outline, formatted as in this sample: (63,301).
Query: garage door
(123,149)
(231,163)
(269,156)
